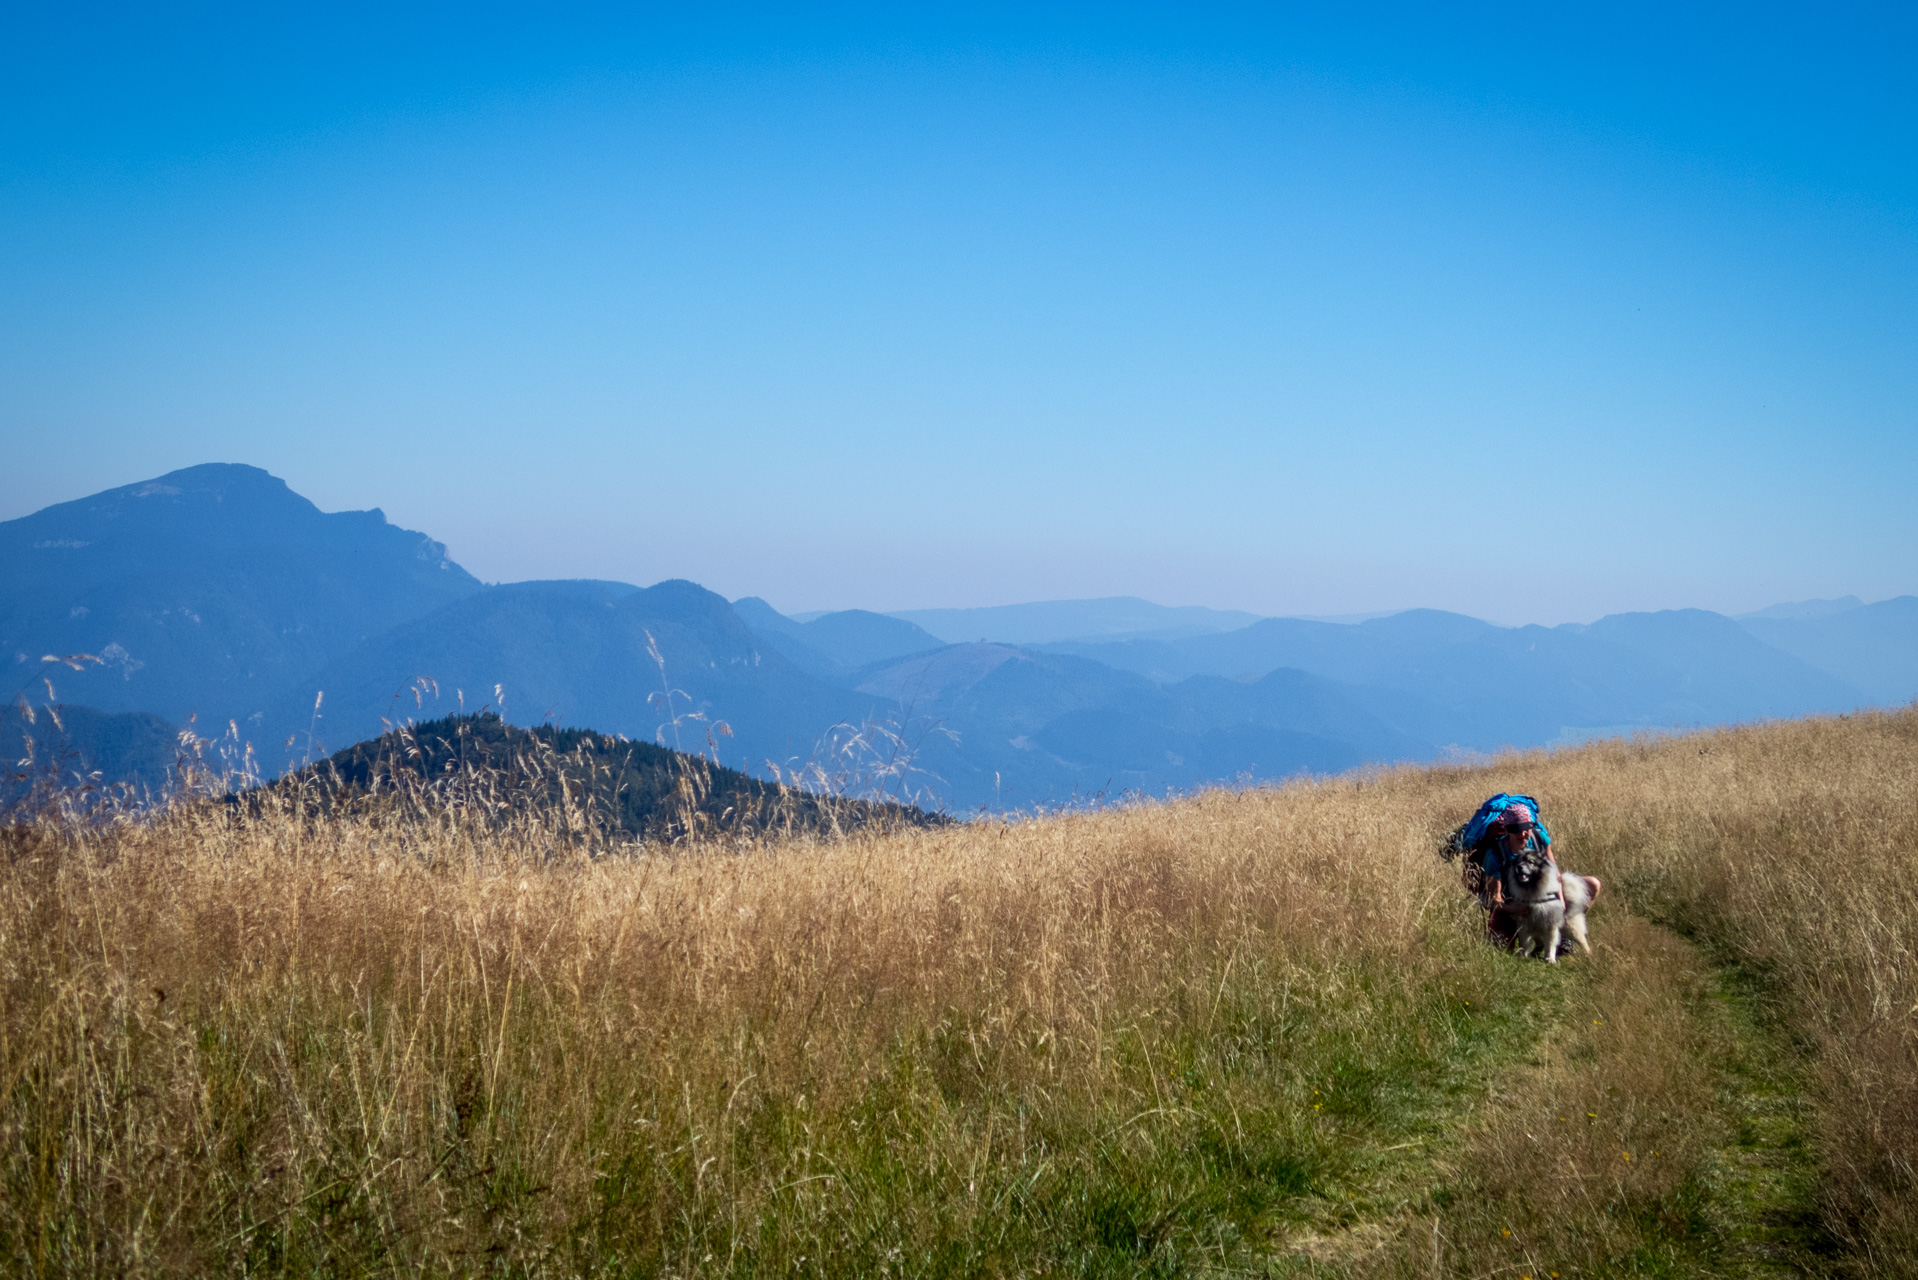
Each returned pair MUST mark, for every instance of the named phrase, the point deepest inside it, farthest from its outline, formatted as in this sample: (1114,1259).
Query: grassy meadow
(1249,1032)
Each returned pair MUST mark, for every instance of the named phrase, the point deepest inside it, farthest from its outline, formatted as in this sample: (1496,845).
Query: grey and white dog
(1546,903)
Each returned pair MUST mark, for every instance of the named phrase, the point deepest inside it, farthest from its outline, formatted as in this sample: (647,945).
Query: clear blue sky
(1323,312)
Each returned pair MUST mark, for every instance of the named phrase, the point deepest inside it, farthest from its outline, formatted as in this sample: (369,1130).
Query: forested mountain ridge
(571,778)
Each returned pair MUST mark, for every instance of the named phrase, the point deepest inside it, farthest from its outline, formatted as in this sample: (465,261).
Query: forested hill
(577,778)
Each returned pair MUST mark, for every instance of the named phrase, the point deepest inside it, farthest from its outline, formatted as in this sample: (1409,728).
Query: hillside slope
(575,779)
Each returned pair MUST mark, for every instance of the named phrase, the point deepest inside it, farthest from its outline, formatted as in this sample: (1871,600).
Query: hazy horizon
(1535,317)
(1504,616)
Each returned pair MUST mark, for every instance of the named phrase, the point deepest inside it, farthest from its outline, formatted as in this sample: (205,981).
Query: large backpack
(1468,836)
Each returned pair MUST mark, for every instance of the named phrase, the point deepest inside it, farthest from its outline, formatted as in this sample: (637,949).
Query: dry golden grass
(1793,851)
(1788,853)
(1593,1157)
(1247,1030)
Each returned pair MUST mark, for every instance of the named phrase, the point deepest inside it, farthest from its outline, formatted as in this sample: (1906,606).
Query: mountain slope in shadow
(1040,728)
(571,653)
(73,746)
(207,589)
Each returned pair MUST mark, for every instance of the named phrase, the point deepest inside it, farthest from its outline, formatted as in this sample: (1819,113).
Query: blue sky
(1536,317)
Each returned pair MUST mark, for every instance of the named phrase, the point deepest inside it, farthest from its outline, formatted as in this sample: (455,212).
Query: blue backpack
(1470,836)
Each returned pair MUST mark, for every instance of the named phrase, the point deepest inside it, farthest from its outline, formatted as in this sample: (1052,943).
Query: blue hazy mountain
(857,638)
(832,645)
(577,654)
(1802,610)
(1161,661)
(1041,728)
(1450,679)
(1703,668)
(1051,621)
(1873,647)
(971,711)
(1209,728)
(788,638)
(206,590)
(74,743)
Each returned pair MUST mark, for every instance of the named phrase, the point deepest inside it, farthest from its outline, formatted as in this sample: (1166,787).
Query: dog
(1546,904)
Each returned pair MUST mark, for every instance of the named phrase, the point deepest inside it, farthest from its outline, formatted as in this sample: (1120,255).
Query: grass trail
(1766,1178)
(1712,1175)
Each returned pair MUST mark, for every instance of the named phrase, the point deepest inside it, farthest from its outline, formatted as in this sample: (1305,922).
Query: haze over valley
(217,595)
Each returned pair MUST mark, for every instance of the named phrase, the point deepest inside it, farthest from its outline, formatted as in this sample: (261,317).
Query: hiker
(1503,827)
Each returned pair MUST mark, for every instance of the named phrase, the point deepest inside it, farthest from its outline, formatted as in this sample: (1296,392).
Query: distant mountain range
(1052,621)
(1872,647)
(219,593)
(1451,680)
